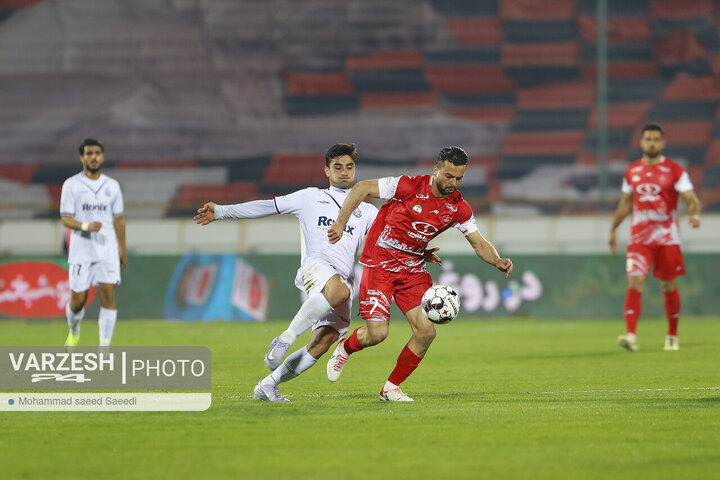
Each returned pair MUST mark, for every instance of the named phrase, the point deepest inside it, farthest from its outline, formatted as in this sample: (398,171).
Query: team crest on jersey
(417,209)
(107,192)
(357,213)
(446,219)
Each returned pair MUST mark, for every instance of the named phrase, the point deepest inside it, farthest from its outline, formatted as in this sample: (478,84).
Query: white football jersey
(89,200)
(317,209)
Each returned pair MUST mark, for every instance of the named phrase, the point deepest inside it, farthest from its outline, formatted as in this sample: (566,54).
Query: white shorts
(85,275)
(312,279)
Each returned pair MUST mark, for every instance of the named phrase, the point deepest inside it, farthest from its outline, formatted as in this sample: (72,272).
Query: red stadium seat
(481,79)
(485,113)
(380,101)
(543,143)
(557,53)
(534,10)
(623,115)
(297,83)
(673,9)
(572,94)
(18,173)
(299,169)
(476,32)
(386,60)
(222,193)
(619,30)
(688,87)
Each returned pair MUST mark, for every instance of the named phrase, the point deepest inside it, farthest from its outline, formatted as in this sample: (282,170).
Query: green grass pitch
(494,399)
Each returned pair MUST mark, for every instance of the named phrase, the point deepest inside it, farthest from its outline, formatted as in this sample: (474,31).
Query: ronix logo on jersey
(422,231)
(326,222)
(89,207)
(649,192)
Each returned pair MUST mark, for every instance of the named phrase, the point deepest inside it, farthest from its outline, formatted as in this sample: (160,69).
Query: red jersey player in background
(418,209)
(651,187)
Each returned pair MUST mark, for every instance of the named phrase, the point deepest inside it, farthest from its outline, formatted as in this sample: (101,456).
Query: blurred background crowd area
(229,100)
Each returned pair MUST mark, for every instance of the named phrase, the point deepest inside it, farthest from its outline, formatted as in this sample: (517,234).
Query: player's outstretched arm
(73,224)
(358,193)
(486,251)
(693,205)
(119,224)
(254,209)
(623,210)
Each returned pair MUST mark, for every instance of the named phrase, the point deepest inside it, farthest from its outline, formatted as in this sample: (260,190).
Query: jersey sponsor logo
(423,231)
(96,207)
(649,192)
(417,209)
(422,196)
(450,207)
(324,221)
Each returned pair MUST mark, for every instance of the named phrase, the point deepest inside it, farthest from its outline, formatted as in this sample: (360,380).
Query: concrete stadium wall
(281,235)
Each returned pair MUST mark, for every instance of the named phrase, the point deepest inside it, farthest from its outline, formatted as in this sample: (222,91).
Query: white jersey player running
(91,205)
(326,272)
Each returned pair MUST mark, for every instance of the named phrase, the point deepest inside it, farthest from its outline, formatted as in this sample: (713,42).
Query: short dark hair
(340,149)
(454,155)
(90,142)
(653,127)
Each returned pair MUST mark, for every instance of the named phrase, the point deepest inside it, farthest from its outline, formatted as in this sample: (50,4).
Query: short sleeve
(626,187)
(291,203)
(373,212)
(466,220)
(683,184)
(118,205)
(387,187)
(67,199)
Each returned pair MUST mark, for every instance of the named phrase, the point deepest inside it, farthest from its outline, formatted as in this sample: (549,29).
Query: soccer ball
(441,304)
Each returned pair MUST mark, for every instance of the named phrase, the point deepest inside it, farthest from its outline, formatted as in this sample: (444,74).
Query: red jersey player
(418,209)
(651,188)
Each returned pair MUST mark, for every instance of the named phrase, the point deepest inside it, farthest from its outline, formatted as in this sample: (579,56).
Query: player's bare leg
(297,362)
(335,293)
(423,334)
(633,309)
(372,333)
(74,312)
(108,313)
(672,312)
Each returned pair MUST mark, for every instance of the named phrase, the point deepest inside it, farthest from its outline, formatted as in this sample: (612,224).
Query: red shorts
(668,261)
(378,287)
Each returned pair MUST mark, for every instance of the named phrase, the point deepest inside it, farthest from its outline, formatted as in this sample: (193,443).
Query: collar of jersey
(339,190)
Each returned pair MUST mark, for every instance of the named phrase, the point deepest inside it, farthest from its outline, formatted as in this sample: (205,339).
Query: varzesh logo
(35,289)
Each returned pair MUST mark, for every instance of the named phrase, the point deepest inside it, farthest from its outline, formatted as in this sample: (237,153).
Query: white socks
(314,308)
(296,363)
(74,319)
(106,324)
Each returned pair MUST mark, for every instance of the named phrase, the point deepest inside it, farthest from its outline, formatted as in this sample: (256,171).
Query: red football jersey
(411,218)
(655,190)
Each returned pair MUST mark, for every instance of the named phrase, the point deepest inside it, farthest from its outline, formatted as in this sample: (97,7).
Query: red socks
(672,310)
(633,309)
(407,362)
(352,344)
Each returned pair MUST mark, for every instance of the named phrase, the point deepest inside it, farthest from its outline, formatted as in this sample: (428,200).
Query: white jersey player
(91,205)
(326,272)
